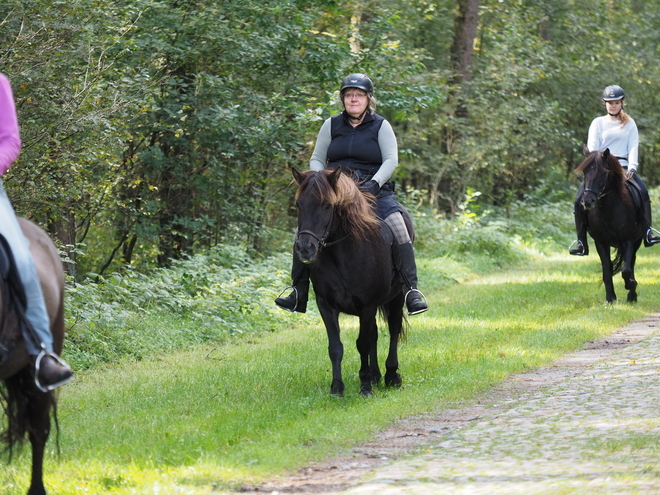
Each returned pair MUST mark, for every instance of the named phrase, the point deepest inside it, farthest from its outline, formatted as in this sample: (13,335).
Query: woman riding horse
(50,371)
(363,144)
(617,132)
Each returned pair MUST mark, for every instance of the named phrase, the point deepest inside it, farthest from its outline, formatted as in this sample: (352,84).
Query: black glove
(371,186)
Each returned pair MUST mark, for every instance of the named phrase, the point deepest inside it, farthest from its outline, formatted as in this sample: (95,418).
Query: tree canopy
(153,129)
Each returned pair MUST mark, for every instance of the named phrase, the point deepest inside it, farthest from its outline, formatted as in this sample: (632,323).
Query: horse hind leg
(374,369)
(38,416)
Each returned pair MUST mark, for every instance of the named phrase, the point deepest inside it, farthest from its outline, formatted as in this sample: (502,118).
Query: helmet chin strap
(358,118)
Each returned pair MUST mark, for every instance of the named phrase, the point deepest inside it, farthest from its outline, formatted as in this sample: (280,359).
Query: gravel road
(587,424)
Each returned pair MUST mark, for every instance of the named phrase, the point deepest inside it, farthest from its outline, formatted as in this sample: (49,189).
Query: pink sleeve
(10,140)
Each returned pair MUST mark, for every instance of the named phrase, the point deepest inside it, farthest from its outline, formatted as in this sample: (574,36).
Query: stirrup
(37,365)
(574,251)
(405,300)
(286,289)
(652,236)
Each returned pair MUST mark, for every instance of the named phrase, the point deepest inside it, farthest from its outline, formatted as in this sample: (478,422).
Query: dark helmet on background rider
(613,92)
(360,81)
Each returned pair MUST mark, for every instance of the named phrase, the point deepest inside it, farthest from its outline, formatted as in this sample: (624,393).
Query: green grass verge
(217,415)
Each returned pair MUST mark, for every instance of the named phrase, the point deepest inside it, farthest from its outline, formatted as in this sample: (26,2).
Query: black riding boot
(297,300)
(415,302)
(650,238)
(50,371)
(580,247)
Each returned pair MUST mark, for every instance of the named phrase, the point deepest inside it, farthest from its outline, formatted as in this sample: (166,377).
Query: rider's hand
(370,186)
(630,173)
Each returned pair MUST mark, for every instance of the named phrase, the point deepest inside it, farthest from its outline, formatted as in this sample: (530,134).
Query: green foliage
(206,298)
(156,129)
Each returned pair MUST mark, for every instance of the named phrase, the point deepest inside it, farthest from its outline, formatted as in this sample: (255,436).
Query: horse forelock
(609,165)
(354,210)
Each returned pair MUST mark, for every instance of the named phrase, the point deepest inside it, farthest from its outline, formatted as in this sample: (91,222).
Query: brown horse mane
(354,208)
(606,161)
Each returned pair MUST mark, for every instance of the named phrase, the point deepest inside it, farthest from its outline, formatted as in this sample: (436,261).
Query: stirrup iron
(295,291)
(405,300)
(579,245)
(652,233)
(37,365)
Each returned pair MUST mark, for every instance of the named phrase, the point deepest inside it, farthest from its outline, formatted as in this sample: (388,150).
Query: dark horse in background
(613,219)
(26,406)
(349,254)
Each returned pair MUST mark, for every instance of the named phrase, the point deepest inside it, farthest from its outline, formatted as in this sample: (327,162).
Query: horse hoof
(366,392)
(337,389)
(393,381)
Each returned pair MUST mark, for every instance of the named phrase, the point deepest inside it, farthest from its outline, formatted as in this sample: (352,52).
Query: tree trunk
(465,30)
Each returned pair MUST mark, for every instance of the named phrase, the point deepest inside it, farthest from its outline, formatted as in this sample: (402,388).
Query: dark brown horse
(612,219)
(28,408)
(349,254)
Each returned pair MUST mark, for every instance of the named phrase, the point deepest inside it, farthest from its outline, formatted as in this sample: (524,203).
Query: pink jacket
(10,140)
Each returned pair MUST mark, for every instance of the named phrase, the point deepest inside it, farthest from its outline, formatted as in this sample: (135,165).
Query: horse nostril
(306,251)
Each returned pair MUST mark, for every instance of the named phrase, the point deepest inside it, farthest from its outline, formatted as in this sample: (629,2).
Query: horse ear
(606,153)
(585,150)
(334,177)
(297,175)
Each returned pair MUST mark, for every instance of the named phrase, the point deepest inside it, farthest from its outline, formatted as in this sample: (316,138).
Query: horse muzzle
(588,200)
(307,249)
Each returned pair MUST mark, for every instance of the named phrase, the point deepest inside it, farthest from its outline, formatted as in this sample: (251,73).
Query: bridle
(323,239)
(599,194)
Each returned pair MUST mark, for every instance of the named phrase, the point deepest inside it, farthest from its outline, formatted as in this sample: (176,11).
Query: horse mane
(605,160)
(354,209)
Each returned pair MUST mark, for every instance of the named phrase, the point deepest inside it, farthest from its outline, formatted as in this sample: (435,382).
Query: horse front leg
(335,347)
(395,323)
(628,271)
(606,263)
(367,347)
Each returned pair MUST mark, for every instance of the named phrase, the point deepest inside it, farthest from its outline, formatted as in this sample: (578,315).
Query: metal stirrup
(652,233)
(578,242)
(405,298)
(295,291)
(37,365)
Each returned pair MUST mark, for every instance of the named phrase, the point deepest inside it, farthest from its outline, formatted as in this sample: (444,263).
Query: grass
(217,415)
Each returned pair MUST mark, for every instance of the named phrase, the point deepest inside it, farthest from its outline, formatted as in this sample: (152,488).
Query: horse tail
(617,263)
(15,403)
(405,324)
(15,393)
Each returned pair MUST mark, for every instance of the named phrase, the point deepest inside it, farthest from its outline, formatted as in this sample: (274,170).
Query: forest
(157,129)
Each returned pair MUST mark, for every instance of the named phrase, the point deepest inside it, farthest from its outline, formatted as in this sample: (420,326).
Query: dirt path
(534,433)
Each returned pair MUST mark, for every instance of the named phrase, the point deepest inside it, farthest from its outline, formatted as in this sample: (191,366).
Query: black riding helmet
(613,92)
(360,81)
